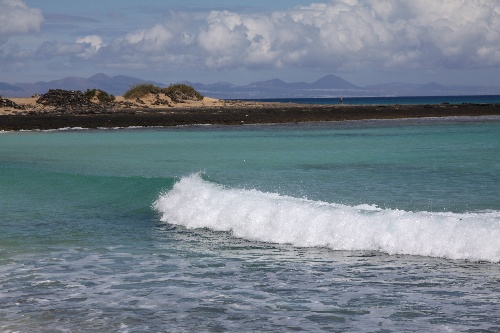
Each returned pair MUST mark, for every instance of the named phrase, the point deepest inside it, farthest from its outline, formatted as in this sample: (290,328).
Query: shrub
(177,92)
(101,95)
(182,92)
(141,90)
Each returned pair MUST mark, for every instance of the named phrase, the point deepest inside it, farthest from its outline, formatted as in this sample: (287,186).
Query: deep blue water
(475,99)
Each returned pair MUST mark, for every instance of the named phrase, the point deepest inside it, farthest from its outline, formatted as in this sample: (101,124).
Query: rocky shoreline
(233,113)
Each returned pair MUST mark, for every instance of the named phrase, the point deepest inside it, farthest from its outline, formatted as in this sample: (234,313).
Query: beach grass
(141,90)
(176,92)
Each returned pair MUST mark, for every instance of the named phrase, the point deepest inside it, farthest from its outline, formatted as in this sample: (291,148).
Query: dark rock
(65,98)
(159,101)
(7,103)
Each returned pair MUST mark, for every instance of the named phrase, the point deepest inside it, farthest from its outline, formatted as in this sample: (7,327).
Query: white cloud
(92,45)
(223,38)
(164,45)
(150,40)
(83,47)
(17,18)
(335,35)
(95,42)
(354,33)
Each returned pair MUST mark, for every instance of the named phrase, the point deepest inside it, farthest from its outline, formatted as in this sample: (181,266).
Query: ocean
(393,100)
(355,226)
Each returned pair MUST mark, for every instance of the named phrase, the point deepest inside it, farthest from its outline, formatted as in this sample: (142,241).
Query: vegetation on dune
(141,90)
(182,92)
(177,92)
(101,95)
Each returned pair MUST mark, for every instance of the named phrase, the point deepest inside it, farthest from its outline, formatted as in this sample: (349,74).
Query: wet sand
(234,113)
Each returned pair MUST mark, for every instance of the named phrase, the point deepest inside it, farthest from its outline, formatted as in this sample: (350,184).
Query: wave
(269,217)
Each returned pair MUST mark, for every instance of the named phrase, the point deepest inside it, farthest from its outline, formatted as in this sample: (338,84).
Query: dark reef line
(236,115)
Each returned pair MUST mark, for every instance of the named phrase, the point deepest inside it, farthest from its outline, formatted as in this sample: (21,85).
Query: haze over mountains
(327,86)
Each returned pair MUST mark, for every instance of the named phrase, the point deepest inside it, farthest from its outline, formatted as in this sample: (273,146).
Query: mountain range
(327,86)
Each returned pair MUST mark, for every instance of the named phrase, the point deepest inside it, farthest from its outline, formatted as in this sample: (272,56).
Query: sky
(363,41)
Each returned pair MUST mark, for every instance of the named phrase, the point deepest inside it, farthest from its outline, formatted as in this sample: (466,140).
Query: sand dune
(150,101)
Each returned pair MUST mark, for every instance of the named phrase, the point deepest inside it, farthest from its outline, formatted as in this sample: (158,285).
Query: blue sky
(363,41)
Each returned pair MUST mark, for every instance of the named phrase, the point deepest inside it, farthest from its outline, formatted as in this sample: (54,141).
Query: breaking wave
(269,217)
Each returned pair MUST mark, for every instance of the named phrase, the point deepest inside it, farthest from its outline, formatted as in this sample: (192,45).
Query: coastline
(232,113)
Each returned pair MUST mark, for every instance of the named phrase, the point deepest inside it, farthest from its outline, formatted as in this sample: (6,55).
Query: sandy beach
(148,112)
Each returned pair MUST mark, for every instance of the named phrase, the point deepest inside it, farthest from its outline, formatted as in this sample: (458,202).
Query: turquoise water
(380,226)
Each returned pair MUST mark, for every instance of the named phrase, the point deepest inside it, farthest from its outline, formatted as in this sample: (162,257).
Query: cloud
(336,35)
(17,18)
(164,45)
(341,34)
(84,47)
(359,33)
(224,36)
(12,53)
(52,49)
(92,44)
(150,40)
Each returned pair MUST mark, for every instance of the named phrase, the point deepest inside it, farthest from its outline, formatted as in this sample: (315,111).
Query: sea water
(366,226)
(392,100)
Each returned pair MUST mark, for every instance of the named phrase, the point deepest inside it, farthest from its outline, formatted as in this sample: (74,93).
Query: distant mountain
(9,87)
(333,82)
(116,85)
(334,86)
(274,83)
(327,86)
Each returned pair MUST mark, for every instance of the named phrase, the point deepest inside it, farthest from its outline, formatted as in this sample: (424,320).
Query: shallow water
(260,228)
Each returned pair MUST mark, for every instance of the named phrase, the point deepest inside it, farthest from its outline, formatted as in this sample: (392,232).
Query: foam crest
(269,217)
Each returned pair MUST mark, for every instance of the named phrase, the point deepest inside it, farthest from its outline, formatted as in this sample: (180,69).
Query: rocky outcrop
(73,101)
(65,99)
(7,103)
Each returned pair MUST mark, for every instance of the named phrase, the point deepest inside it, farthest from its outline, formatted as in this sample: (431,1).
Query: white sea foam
(268,217)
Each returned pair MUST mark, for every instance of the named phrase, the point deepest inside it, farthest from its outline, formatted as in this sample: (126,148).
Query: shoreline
(235,114)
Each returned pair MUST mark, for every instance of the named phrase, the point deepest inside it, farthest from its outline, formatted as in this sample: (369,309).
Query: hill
(329,86)
(116,85)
